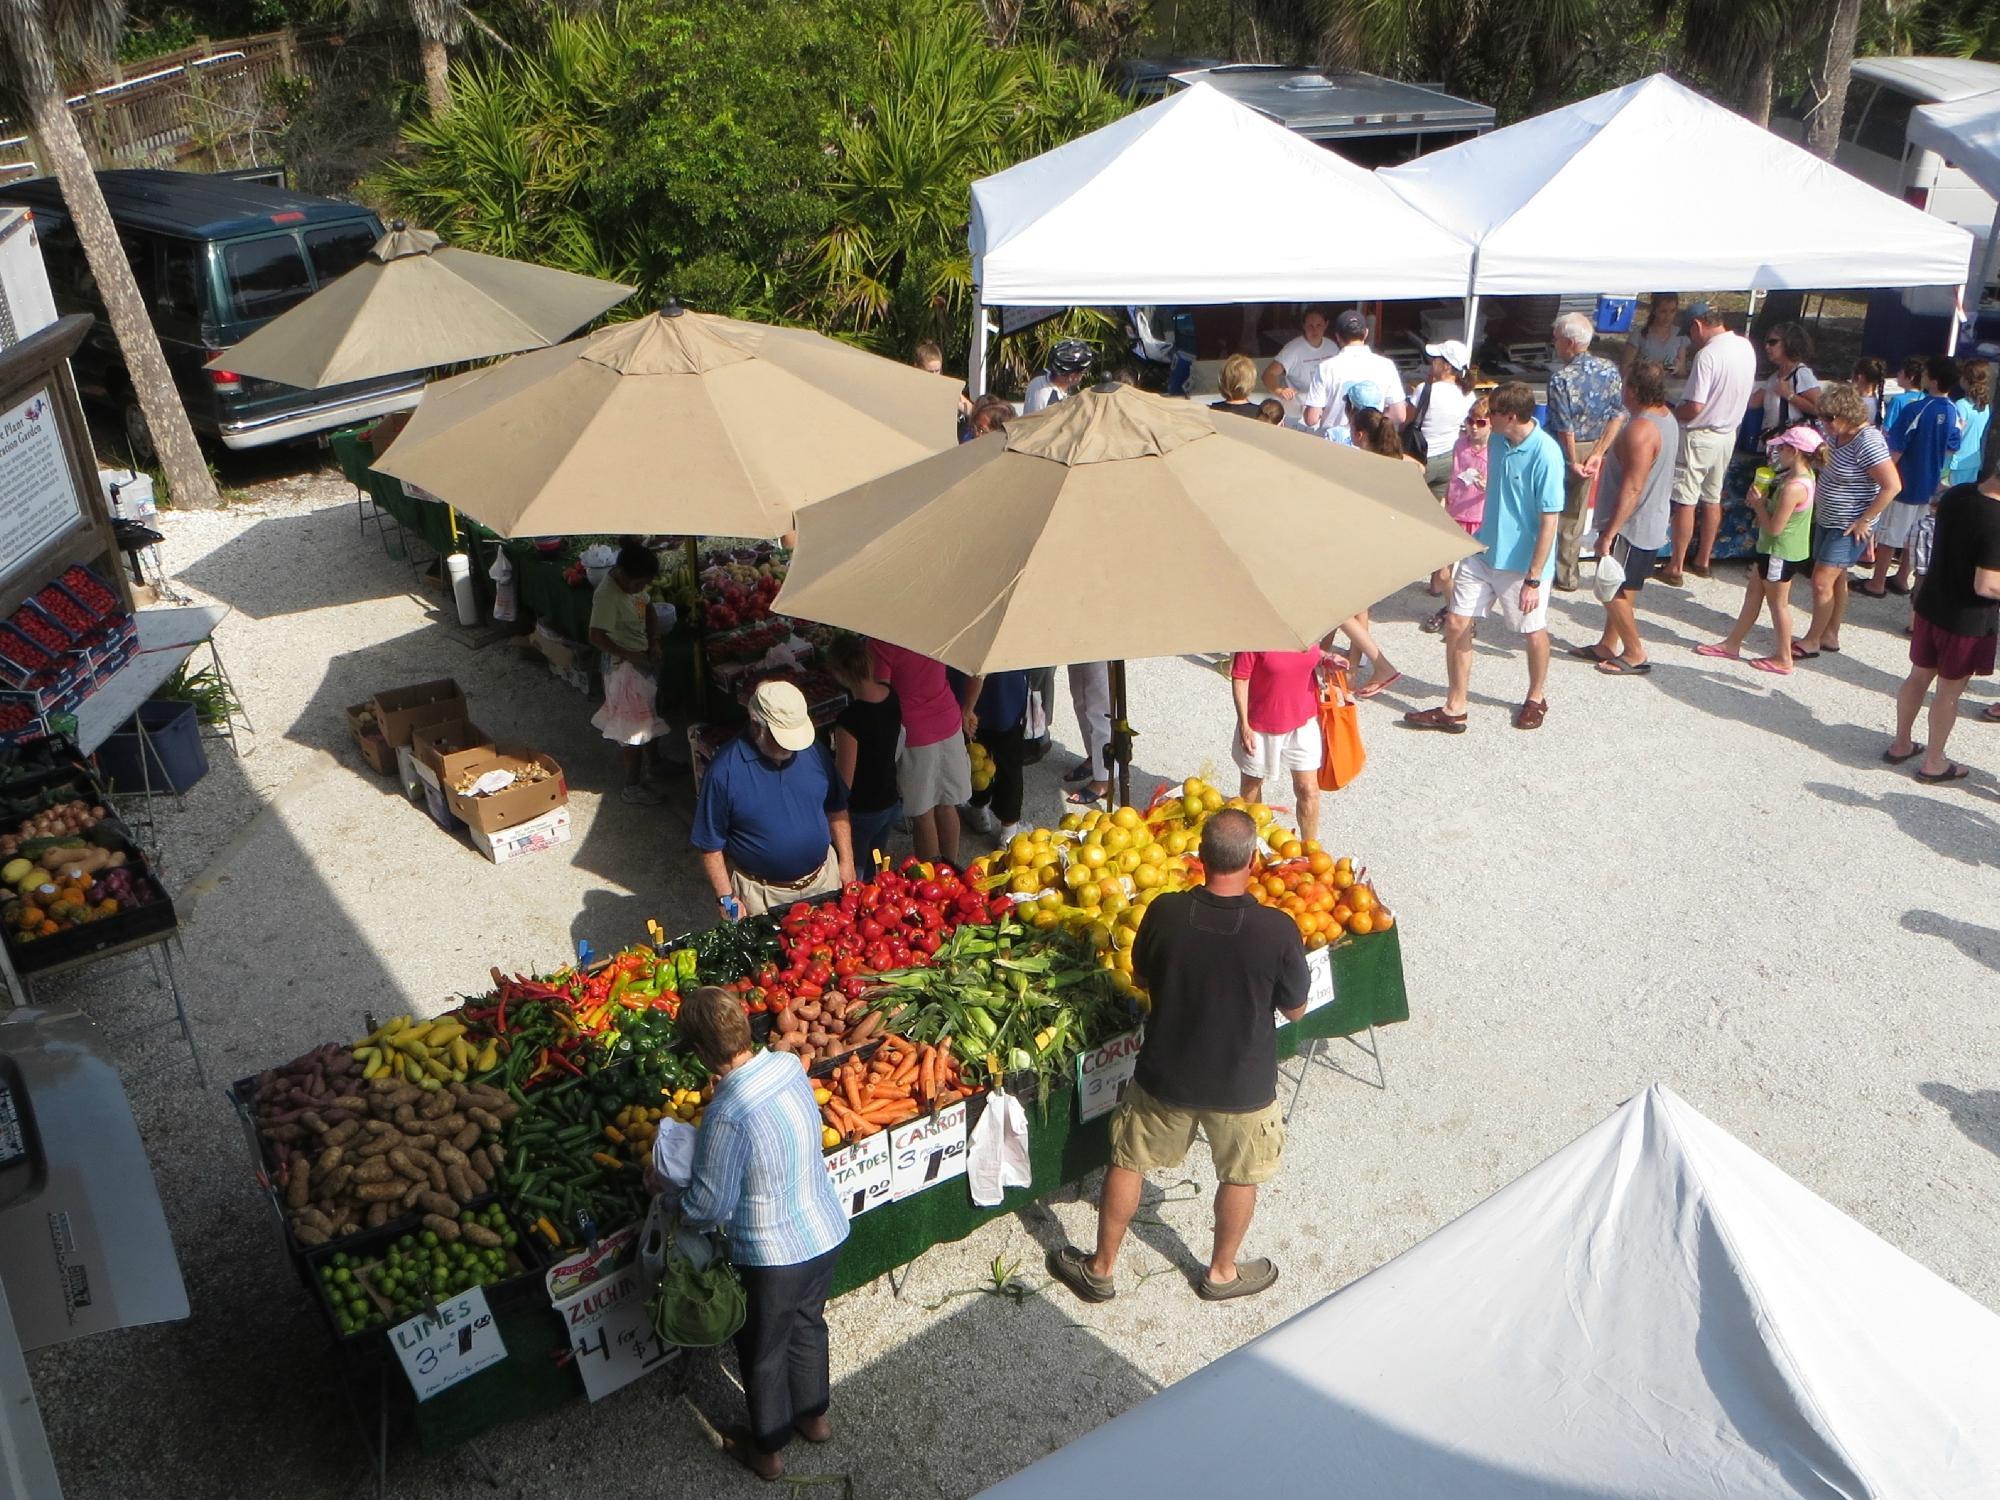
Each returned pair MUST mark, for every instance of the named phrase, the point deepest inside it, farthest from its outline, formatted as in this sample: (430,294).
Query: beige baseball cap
(781,708)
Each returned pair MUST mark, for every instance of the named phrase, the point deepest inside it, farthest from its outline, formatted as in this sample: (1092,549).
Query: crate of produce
(91,591)
(93,899)
(119,633)
(45,629)
(367,1284)
(22,660)
(63,607)
(22,719)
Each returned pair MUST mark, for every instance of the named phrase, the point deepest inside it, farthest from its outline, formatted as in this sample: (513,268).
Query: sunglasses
(1772,343)
(1478,422)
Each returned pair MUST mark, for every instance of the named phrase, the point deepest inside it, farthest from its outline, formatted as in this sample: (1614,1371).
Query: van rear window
(265,276)
(338,249)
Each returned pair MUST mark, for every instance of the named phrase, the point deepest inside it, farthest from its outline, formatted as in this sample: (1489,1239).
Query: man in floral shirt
(1585,413)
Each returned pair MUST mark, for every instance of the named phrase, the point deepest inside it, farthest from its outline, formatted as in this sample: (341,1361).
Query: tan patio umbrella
(1118,524)
(679,421)
(414,303)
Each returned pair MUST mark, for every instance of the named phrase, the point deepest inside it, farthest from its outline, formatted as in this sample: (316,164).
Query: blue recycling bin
(172,746)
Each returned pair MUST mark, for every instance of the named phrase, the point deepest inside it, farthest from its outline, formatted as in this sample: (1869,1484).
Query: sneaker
(1008,831)
(642,795)
(978,817)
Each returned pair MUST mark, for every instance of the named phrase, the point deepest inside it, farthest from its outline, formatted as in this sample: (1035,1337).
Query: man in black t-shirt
(1956,614)
(1217,965)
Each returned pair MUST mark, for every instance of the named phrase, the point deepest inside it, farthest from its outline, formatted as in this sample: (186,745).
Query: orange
(1383,921)
(1319,861)
(1274,886)
(1361,898)
(1291,849)
(1361,921)
(1342,879)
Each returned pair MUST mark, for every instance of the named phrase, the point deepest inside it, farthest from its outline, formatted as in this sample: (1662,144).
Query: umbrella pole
(1120,748)
(693,548)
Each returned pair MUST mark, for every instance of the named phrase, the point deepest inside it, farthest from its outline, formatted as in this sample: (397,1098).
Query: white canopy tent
(1966,132)
(1196,199)
(1655,1311)
(1653,185)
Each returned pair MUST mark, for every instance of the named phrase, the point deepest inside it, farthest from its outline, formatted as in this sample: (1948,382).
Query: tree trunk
(188,481)
(1757,99)
(437,73)
(1823,126)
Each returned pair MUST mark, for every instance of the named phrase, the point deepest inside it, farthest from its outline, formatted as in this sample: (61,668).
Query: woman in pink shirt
(1465,491)
(1277,726)
(933,773)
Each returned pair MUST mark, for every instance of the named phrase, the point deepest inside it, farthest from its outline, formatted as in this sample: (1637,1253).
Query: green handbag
(696,1307)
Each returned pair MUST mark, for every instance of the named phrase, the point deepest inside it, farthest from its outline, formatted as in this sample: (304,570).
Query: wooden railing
(203,108)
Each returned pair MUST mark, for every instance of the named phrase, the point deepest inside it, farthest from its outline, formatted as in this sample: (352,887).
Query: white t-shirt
(1803,379)
(1331,378)
(1666,350)
(1041,392)
(1444,418)
(1721,379)
(1299,359)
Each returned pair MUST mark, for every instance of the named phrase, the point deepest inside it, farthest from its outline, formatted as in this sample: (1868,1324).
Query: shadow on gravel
(274,567)
(1977,1114)
(1775,711)
(1147,1227)
(1957,832)
(1980,944)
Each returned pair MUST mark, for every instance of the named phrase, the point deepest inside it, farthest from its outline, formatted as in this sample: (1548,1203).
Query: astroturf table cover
(1368,991)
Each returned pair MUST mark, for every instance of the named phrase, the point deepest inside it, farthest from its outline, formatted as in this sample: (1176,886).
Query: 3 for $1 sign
(926,1152)
(1103,1072)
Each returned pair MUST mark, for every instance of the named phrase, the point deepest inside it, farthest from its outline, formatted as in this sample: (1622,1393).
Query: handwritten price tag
(588,1265)
(608,1328)
(1319,966)
(861,1175)
(926,1152)
(1103,1072)
(439,1350)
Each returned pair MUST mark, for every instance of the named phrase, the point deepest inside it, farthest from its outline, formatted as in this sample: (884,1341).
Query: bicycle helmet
(1070,357)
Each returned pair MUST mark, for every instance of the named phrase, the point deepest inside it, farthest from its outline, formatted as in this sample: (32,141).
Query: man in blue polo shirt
(771,819)
(1524,503)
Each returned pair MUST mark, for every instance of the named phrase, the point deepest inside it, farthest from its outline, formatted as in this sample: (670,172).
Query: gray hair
(1228,840)
(1578,329)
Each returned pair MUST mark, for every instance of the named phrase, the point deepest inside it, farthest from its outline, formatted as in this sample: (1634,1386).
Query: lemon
(1044,918)
(1176,842)
(1127,817)
(1114,901)
(1089,895)
(1093,856)
(1116,839)
(1051,899)
(1076,875)
(1146,877)
(1132,916)
(1260,814)
(1071,822)
(1211,800)
(1023,883)
(1192,788)
(1048,878)
(1099,935)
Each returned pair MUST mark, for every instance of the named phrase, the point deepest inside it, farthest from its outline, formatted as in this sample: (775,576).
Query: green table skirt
(1368,991)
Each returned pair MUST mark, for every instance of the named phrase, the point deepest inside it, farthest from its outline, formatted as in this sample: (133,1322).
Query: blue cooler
(1615,314)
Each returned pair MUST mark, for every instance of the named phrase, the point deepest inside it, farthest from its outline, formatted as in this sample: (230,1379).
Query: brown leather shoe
(1435,718)
(1531,714)
(1699,571)
(1673,580)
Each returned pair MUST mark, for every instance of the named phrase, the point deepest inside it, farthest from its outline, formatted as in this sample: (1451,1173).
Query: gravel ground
(1703,877)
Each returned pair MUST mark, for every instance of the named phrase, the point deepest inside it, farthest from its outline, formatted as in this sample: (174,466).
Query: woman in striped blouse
(1859,482)
(760,1176)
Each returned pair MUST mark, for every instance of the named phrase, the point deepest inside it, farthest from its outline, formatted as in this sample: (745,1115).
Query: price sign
(588,1265)
(608,1328)
(440,1348)
(1103,1072)
(860,1173)
(926,1152)
(1319,969)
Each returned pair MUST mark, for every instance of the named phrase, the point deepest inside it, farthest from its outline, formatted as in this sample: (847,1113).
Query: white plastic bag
(1610,578)
(598,559)
(673,1152)
(997,1156)
(1036,724)
(505,595)
(628,716)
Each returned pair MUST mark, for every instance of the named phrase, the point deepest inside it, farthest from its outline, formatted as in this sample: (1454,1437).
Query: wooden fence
(203,109)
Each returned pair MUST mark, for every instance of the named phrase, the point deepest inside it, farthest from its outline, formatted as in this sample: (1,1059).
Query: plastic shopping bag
(506,602)
(1610,577)
(628,716)
(996,1158)
(1340,733)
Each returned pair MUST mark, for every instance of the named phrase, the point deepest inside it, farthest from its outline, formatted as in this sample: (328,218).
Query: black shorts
(1638,563)
(1775,569)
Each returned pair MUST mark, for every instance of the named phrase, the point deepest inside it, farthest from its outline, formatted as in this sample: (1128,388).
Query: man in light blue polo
(1524,504)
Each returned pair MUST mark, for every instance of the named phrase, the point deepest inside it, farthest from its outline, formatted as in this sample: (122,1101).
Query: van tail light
(1918,198)
(227,382)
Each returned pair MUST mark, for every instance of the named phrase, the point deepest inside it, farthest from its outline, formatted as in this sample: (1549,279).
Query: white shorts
(1896,525)
(937,775)
(1299,749)
(1703,465)
(1480,588)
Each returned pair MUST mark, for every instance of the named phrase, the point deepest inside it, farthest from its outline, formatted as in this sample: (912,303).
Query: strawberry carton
(45,630)
(92,592)
(60,605)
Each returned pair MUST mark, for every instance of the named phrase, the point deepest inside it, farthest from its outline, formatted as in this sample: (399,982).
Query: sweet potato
(443,1226)
(353,1103)
(374,1169)
(439,1182)
(336,1181)
(381,1192)
(298,1186)
(437,1203)
(342,1133)
(467,1138)
(378,1215)
(408,1164)
(480,1235)
(485,1119)
(306,1235)
(463,1187)
(451,1156)
(380,1145)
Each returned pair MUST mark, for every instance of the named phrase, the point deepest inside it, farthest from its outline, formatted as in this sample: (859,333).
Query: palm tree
(37,39)
(439,28)
(1735,44)
(1829,79)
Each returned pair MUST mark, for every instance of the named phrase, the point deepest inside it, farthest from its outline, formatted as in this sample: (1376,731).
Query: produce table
(1368,991)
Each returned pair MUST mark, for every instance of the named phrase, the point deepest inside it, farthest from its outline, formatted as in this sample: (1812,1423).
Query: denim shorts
(1834,548)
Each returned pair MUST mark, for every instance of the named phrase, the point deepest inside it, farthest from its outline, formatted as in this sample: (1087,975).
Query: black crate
(519,1288)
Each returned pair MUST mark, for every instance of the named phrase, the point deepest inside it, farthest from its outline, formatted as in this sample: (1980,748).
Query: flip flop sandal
(1992,714)
(1071,1267)
(1829,649)
(1952,772)
(1871,593)
(1800,653)
(1773,665)
(1531,714)
(1078,772)
(1587,653)
(1083,796)
(1435,718)
(1718,653)
(1252,1277)
(1378,685)
(1615,667)
(1890,757)
(1898,588)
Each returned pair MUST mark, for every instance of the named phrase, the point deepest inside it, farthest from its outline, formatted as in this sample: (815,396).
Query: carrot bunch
(902,1081)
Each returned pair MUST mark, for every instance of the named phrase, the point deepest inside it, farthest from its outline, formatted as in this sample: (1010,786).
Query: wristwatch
(1531,583)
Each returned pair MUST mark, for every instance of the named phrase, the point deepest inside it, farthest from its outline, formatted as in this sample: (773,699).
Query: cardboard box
(400,712)
(521,803)
(545,832)
(377,751)
(443,751)
(407,779)
(438,807)
(569,661)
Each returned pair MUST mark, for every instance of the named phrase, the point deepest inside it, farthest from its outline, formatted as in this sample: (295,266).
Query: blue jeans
(871,831)
(1834,548)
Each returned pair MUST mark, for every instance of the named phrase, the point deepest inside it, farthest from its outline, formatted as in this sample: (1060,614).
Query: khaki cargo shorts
(1148,1136)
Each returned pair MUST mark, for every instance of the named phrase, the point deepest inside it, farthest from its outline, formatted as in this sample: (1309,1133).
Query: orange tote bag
(1340,730)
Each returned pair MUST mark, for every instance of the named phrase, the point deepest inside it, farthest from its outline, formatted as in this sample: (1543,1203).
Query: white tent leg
(1957,322)
(975,360)
(1472,307)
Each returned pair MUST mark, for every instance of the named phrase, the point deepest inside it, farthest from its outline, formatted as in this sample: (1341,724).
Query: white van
(1875,124)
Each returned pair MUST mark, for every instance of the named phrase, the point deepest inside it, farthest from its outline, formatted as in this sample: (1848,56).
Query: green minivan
(215,258)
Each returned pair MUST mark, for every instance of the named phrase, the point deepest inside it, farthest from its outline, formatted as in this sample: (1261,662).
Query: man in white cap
(771,818)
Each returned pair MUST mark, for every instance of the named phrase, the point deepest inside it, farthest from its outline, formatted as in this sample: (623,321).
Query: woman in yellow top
(622,629)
